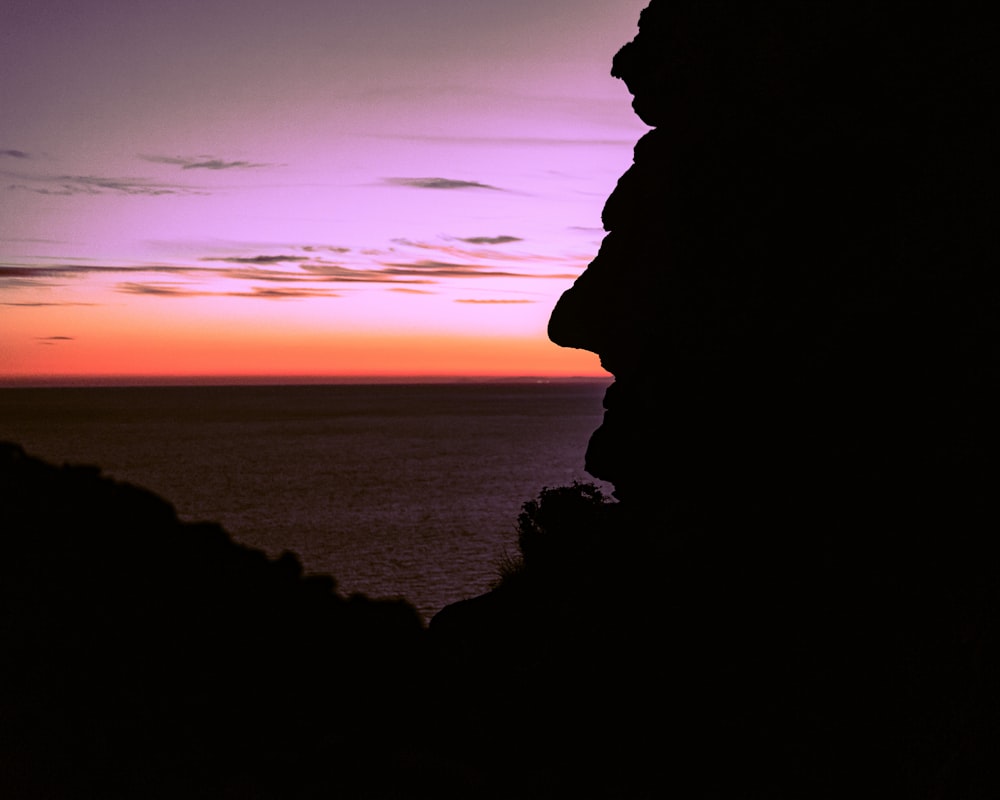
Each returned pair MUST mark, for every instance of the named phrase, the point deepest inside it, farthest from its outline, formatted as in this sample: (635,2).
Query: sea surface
(396,490)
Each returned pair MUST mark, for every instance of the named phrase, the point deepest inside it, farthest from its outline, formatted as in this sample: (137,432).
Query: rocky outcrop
(796,296)
(798,262)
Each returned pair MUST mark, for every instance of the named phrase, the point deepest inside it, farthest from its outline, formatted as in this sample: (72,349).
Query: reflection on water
(395,490)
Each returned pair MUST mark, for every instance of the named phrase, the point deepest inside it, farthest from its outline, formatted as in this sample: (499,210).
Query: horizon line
(99,381)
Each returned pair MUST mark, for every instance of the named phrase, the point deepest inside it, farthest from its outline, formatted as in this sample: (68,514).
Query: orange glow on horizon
(363,357)
(371,334)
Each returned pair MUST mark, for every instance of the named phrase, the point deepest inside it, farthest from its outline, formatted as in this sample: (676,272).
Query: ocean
(395,490)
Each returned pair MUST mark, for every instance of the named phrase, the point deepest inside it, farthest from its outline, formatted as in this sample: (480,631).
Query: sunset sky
(304,188)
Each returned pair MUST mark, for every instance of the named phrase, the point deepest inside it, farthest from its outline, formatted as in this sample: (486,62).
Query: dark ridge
(144,657)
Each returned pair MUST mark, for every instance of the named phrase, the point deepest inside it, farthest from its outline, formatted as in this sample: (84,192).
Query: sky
(305,188)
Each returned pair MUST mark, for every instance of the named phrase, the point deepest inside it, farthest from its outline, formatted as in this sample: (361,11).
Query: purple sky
(176,178)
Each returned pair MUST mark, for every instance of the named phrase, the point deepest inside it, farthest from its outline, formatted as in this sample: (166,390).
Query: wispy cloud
(440,183)
(278,259)
(308,267)
(291,270)
(319,272)
(25,273)
(68,185)
(13,154)
(491,239)
(204,162)
(493,302)
(269,275)
(488,254)
(310,248)
(44,305)
(447,269)
(159,289)
(15,271)
(17,276)
(284,294)
(54,339)
(259,292)
(409,290)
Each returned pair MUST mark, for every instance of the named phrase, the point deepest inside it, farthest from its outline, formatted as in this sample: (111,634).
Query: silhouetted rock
(795,594)
(801,255)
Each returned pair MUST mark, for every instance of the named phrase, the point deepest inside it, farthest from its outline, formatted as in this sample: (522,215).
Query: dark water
(396,490)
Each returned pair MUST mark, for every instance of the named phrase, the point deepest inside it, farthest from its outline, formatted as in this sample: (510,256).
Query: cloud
(461,253)
(291,270)
(14,274)
(204,162)
(67,269)
(284,294)
(440,183)
(409,290)
(335,273)
(309,248)
(68,185)
(53,271)
(271,275)
(13,154)
(51,339)
(493,302)
(258,259)
(158,289)
(259,292)
(250,268)
(318,272)
(491,239)
(446,269)
(302,268)
(44,305)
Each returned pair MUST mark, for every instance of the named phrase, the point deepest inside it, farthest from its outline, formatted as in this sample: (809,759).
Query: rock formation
(800,259)
(796,296)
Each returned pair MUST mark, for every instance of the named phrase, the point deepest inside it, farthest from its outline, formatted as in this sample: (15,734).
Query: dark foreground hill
(775,656)
(145,657)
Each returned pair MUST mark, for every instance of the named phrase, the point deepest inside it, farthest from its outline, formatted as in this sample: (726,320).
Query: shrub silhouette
(563,526)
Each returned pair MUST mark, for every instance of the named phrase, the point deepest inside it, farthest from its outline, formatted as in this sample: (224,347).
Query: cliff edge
(797,299)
